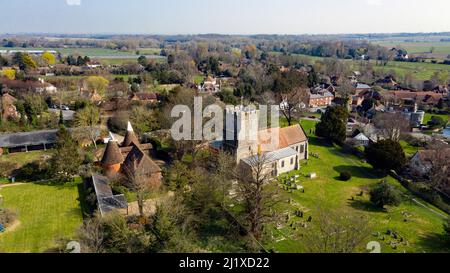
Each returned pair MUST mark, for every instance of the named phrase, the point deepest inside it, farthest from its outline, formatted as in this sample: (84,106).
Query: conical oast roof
(112,155)
(130,137)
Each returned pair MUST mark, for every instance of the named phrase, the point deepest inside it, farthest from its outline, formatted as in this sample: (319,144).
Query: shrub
(385,194)
(386,155)
(345,176)
(7,168)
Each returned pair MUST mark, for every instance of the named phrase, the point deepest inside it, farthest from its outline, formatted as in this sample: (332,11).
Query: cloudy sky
(224,16)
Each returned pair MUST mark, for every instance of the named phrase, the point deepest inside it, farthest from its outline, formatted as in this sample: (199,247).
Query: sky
(223,16)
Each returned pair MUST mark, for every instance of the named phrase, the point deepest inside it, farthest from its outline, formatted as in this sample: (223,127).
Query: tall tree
(386,155)
(67,158)
(391,125)
(337,232)
(257,197)
(97,84)
(89,117)
(333,124)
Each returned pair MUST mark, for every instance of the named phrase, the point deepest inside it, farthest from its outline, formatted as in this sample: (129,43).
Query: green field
(419,71)
(93,52)
(46,214)
(441,49)
(422,228)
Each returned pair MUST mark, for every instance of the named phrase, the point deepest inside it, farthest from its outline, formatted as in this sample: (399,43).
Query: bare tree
(139,182)
(336,232)
(290,102)
(438,159)
(391,125)
(346,89)
(258,199)
(224,170)
(92,236)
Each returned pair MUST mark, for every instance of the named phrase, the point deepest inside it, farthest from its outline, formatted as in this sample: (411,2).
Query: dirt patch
(10,185)
(11,227)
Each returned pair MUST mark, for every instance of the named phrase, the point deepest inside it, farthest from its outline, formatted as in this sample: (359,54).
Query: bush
(345,176)
(386,155)
(7,168)
(33,171)
(385,194)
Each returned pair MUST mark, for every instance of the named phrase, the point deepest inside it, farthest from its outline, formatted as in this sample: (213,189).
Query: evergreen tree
(333,125)
(67,158)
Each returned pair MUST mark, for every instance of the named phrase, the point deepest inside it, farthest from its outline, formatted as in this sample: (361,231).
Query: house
(45,87)
(130,158)
(39,86)
(387,82)
(144,97)
(248,142)
(361,140)
(92,96)
(210,85)
(320,97)
(405,97)
(362,87)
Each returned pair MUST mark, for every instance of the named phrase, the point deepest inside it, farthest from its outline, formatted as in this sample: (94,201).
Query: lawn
(25,158)
(428,117)
(421,225)
(409,149)
(46,213)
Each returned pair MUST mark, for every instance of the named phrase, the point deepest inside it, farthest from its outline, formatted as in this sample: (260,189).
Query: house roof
(112,154)
(292,135)
(139,161)
(418,96)
(145,96)
(288,136)
(272,156)
(28,138)
(107,201)
(361,137)
(362,86)
(130,138)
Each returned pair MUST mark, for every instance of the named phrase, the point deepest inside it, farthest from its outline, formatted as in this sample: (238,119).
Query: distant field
(92,52)
(419,71)
(440,52)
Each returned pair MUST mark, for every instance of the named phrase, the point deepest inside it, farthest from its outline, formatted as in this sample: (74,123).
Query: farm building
(27,141)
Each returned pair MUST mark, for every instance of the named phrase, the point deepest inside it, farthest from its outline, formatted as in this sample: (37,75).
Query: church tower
(241,131)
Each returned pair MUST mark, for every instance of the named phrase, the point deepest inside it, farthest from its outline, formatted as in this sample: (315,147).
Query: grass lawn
(45,212)
(25,158)
(428,117)
(408,148)
(422,228)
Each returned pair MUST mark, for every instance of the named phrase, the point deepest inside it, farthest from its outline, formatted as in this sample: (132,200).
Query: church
(245,140)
